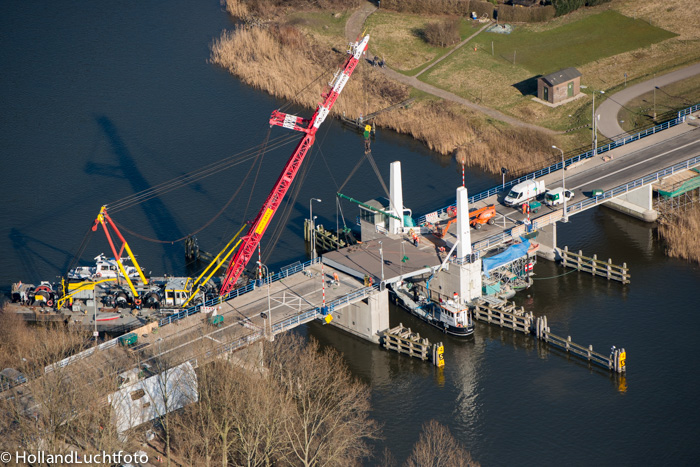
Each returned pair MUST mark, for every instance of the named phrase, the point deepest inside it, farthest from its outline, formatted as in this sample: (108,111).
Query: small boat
(448,316)
(104,269)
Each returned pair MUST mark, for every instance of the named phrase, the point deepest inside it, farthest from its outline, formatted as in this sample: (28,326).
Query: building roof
(561,76)
(381,203)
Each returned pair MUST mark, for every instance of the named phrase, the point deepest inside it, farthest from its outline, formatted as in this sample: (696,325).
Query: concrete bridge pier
(547,239)
(637,203)
(461,279)
(366,318)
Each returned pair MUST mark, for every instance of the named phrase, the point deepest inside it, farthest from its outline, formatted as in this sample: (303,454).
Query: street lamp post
(313,228)
(563,182)
(381,258)
(594,125)
(269,308)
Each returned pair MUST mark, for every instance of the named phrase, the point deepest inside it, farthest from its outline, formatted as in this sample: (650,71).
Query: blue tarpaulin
(508,256)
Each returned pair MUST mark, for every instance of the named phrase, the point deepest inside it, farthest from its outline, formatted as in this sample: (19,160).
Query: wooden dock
(616,361)
(504,315)
(402,340)
(595,266)
(507,315)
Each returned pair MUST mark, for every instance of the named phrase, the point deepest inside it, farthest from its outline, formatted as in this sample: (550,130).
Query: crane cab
(177,291)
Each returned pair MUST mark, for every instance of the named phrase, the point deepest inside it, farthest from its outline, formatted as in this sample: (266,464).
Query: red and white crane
(309,127)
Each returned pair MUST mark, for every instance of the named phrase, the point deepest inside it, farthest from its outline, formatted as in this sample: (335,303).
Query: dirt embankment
(680,232)
(281,58)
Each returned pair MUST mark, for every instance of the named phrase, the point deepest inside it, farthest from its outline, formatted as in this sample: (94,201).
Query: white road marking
(634,165)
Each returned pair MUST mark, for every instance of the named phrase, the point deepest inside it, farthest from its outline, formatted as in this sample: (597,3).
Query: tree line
(291,404)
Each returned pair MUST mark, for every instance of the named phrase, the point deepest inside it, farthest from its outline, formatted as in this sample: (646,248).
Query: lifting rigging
(309,127)
(251,240)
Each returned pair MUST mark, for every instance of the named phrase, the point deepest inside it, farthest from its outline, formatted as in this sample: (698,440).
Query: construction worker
(336,280)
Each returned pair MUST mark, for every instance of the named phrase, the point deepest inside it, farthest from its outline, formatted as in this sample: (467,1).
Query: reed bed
(680,232)
(282,60)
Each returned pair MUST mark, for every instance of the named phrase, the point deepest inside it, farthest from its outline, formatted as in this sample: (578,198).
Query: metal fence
(587,203)
(633,185)
(310,315)
(680,118)
(283,273)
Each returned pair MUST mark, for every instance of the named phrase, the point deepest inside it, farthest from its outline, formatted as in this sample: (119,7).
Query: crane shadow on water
(156,212)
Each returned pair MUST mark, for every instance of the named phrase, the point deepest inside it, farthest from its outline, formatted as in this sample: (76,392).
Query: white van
(523,192)
(556,196)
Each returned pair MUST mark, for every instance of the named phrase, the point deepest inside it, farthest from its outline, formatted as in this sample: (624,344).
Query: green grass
(575,44)
(398,38)
(491,77)
(638,113)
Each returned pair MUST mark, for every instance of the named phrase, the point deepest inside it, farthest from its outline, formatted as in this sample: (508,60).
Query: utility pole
(654,97)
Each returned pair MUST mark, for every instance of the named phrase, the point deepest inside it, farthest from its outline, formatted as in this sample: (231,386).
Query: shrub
(442,33)
(518,14)
(567,6)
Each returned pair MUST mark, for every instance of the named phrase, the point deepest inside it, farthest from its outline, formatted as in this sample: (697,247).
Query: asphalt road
(609,125)
(628,164)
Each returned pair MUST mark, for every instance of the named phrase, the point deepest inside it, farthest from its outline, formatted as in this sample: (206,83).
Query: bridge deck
(621,166)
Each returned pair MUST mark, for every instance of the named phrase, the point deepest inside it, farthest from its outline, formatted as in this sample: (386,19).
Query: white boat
(448,316)
(104,268)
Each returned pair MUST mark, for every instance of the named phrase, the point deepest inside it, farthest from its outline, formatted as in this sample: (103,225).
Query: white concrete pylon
(396,197)
(464,247)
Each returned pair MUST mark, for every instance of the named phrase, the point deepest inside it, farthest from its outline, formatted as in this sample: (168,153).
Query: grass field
(502,72)
(638,113)
(574,44)
(398,38)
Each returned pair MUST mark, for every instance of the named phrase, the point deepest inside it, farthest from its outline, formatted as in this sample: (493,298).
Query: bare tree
(437,447)
(61,405)
(329,422)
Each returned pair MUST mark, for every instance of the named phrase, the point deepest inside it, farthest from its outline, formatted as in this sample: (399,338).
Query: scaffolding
(679,195)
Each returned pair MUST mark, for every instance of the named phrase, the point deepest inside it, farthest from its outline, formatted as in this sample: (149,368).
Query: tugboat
(448,316)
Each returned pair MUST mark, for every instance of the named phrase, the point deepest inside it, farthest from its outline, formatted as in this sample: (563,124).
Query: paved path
(354,27)
(609,125)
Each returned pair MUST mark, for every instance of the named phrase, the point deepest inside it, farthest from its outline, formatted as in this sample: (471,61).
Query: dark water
(101,100)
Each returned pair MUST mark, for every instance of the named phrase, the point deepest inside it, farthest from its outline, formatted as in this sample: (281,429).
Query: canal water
(102,100)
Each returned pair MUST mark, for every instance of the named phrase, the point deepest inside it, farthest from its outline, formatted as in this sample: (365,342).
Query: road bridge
(620,169)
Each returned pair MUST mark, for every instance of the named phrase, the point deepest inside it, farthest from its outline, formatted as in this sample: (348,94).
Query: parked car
(557,196)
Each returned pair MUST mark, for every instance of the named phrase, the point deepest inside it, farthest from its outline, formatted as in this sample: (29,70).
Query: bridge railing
(634,184)
(680,118)
(282,274)
(310,315)
(552,217)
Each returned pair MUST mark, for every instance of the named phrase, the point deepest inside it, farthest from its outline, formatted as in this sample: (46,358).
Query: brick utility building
(560,85)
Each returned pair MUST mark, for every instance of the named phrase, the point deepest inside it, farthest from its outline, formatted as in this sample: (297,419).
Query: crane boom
(309,127)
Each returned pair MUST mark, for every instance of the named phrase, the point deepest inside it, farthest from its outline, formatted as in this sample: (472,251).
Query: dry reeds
(282,61)
(680,232)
